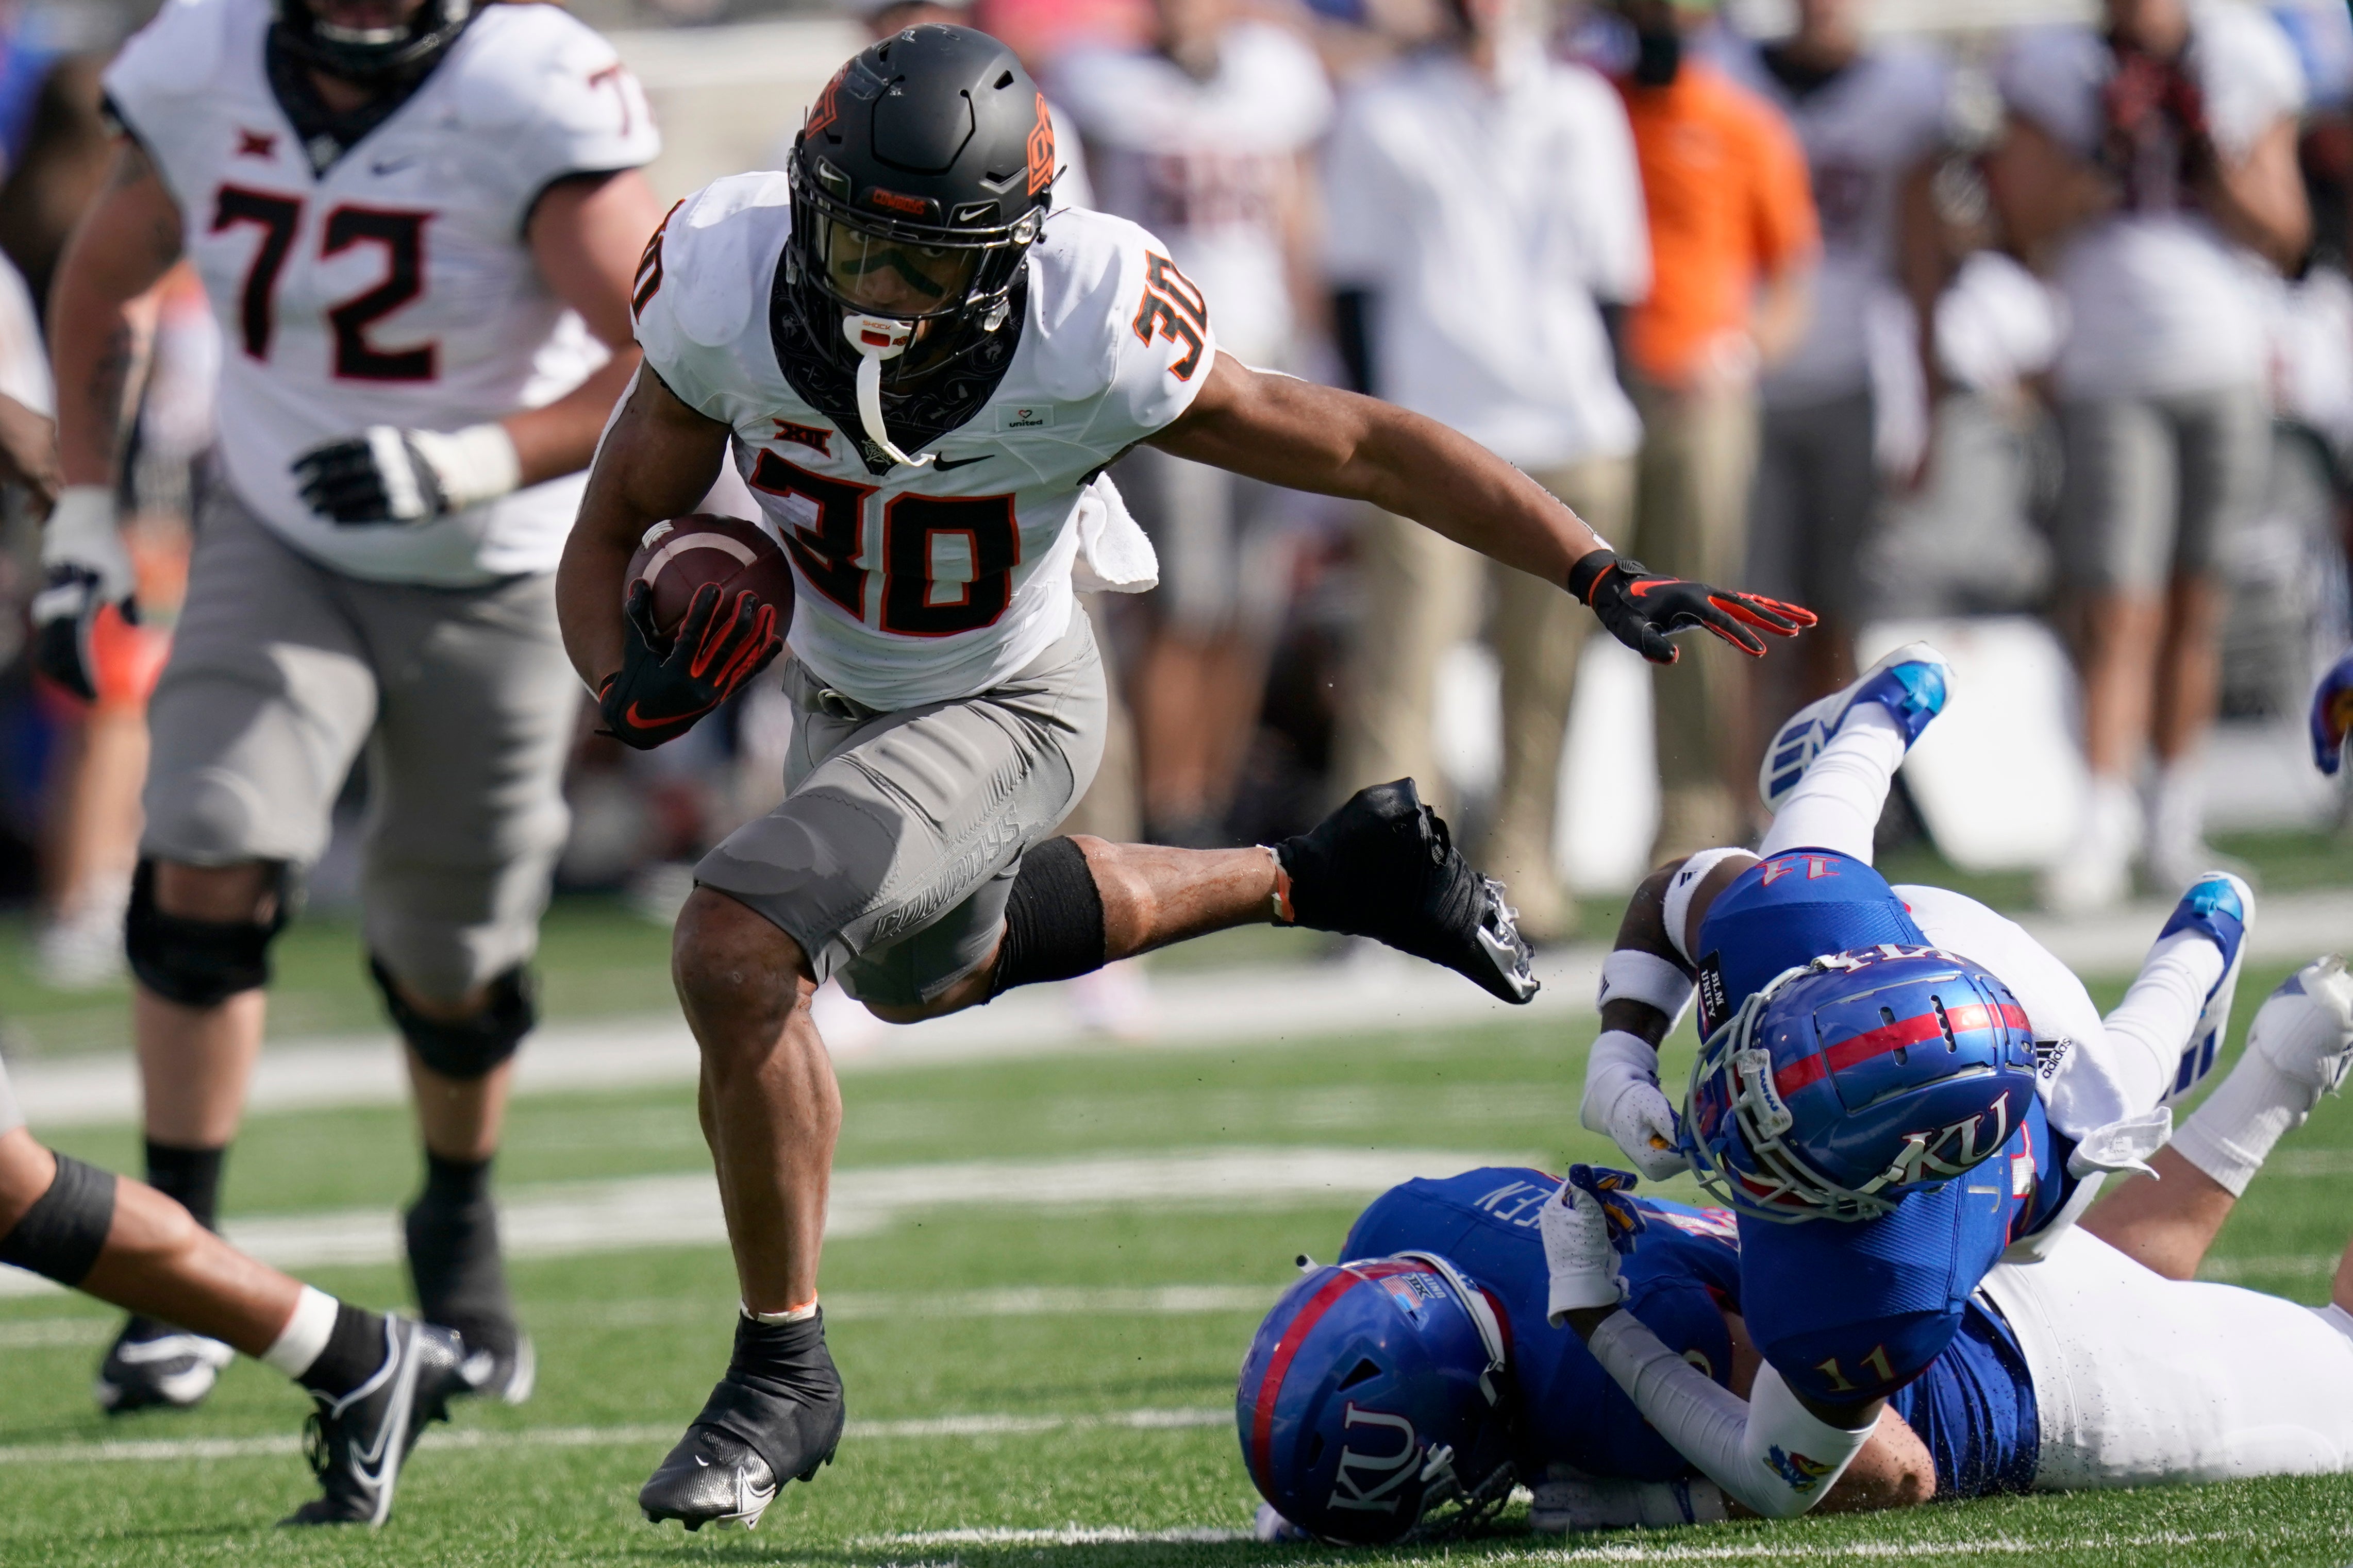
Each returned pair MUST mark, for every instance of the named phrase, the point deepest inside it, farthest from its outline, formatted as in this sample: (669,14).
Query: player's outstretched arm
(1775,1453)
(1304,437)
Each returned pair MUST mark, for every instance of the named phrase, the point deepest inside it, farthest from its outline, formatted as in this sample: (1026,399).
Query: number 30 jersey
(924,584)
(395,288)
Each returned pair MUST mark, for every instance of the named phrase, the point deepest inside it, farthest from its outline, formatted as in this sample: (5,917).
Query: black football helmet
(397,53)
(919,181)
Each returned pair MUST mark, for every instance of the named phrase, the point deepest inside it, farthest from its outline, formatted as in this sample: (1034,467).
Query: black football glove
(1642,609)
(84,568)
(384,475)
(665,685)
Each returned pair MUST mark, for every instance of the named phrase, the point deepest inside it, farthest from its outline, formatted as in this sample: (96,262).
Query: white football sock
(2152,1024)
(1836,806)
(2235,1128)
(2257,1104)
(298,1344)
(2177,809)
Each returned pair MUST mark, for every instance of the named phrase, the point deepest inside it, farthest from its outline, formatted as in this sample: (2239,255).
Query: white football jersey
(924,584)
(397,286)
(1205,165)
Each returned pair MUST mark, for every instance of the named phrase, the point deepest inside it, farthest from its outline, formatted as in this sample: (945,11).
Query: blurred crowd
(2052,323)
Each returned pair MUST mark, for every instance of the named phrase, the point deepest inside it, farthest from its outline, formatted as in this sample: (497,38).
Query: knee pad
(62,1234)
(198,964)
(1053,919)
(465,1048)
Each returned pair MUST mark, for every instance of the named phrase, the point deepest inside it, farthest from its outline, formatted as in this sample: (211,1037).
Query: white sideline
(1192,1009)
(842,1307)
(1947,1549)
(573,1218)
(167,1450)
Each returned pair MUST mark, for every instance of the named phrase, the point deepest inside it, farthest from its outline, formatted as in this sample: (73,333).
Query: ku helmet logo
(1803,1475)
(1366,1480)
(1926,1156)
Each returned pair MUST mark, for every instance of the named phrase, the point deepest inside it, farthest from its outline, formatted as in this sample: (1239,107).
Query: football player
(1371,1403)
(375,1380)
(920,374)
(1869,1048)
(416,221)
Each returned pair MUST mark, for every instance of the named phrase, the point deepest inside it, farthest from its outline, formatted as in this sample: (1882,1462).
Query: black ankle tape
(1053,920)
(62,1234)
(781,1395)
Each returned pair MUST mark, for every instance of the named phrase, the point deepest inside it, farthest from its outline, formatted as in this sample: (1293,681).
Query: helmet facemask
(396,52)
(1737,1128)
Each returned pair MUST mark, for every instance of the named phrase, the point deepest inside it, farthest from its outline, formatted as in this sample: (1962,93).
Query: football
(679,556)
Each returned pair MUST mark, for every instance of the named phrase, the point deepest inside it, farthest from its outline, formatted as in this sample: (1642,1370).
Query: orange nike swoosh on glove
(639,720)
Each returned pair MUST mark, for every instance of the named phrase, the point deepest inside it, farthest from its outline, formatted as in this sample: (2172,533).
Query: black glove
(84,568)
(1642,608)
(376,476)
(665,685)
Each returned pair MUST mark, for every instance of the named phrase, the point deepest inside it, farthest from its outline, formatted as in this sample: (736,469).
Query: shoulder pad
(719,252)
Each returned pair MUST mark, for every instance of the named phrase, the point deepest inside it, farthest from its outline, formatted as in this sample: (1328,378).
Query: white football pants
(2144,1381)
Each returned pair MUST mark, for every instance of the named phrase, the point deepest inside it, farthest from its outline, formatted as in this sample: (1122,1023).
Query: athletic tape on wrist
(1682,885)
(1629,974)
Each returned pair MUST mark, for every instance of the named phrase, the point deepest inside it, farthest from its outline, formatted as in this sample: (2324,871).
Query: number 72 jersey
(397,286)
(924,585)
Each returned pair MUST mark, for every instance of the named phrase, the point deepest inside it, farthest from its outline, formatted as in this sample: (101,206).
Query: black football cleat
(1383,866)
(777,1414)
(151,1364)
(461,1286)
(357,1443)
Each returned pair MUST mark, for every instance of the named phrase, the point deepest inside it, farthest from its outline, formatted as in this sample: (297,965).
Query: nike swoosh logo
(944,464)
(390,165)
(1638,588)
(647,720)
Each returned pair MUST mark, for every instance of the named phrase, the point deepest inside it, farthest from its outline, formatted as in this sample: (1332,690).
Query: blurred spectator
(1872,120)
(2146,169)
(1203,138)
(1733,242)
(1481,200)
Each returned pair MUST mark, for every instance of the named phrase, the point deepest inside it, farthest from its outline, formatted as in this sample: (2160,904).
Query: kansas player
(417,222)
(920,372)
(1365,1408)
(1898,1084)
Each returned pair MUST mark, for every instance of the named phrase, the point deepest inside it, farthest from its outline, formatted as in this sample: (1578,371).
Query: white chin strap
(876,339)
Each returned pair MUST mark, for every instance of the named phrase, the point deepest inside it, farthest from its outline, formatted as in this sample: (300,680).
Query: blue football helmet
(1374,1395)
(1849,1082)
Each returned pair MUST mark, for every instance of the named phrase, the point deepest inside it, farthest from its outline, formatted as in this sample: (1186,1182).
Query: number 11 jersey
(926,584)
(396,286)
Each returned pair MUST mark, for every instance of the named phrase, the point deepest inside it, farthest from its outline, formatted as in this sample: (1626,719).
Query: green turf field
(1027,1379)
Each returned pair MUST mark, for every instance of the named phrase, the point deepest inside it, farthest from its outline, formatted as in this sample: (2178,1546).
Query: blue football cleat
(2219,906)
(1910,684)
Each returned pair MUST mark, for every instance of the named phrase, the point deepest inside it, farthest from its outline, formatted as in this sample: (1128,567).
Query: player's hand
(1582,1239)
(665,685)
(1642,609)
(384,475)
(1622,1098)
(2332,715)
(84,568)
(29,451)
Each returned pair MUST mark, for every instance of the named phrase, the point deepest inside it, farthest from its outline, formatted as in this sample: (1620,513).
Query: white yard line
(173,1450)
(1192,1010)
(573,1218)
(842,1307)
(1951,1548)
(1066,1535)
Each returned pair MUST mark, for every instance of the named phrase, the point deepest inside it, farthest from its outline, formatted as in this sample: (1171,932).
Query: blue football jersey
(1973,1406)
(1853,1310)
(1484,1223)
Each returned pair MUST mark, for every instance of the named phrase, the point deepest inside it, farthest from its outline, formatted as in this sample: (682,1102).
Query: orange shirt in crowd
(1725,183)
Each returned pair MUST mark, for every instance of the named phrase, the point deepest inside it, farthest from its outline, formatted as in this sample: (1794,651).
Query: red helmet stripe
(1878,1042)
(1286,1350)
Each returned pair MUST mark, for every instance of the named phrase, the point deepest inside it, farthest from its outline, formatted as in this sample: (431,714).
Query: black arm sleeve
(1352,334)
(1614,319)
